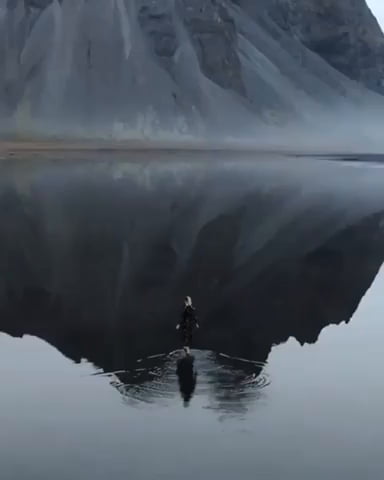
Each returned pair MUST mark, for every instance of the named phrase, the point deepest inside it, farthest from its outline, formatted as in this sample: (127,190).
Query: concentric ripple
(225,383)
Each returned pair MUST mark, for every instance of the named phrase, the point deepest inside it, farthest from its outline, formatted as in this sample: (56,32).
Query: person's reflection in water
(187,376)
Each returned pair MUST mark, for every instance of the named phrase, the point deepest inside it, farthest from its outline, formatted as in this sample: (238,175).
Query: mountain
(185,66)
(345,34)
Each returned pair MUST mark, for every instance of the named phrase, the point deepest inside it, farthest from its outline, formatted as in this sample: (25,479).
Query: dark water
(282,257)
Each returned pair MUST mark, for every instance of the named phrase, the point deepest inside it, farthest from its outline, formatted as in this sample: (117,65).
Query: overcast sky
(377,7)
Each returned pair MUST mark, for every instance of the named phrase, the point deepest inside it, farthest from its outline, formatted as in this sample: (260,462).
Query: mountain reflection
(96,261)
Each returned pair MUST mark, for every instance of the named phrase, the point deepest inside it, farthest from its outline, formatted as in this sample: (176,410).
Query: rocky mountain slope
(344,33)
(185,65)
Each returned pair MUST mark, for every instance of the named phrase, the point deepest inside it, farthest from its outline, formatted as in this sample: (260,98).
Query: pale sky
(377,7)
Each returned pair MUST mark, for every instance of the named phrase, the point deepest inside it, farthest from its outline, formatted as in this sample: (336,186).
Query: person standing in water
(188,324)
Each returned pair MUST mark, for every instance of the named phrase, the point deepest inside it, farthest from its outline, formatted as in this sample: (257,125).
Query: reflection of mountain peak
(300,296)
(98,267)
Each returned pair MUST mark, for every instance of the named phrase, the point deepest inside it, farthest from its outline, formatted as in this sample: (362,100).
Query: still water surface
(277,391)
(319,416)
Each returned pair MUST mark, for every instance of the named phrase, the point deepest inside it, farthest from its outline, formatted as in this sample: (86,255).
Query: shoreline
(24,149)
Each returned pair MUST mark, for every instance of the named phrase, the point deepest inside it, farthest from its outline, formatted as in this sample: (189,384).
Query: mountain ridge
(187,66)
